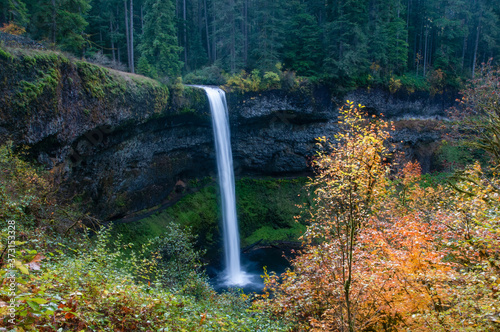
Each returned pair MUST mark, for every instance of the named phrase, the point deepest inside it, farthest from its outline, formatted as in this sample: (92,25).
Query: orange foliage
(384,255)
(13,29)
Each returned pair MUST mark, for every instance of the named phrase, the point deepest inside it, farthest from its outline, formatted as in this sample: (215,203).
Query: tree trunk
(142,19)
(132,69)
(475,49)
(119,53)
(245,32)
(127,35)
(233,36)
(420,42)
(200,26)
(184,32)
(425,49)
(464,47)
(206,31)
(214,33)
(408,6)
(54,21)
(429,62)
(111,37)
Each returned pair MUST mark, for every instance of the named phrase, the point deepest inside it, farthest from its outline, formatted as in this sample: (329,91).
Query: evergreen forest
(363,158)
(351,43)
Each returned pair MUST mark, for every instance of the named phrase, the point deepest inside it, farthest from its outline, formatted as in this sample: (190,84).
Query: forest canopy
(356,42)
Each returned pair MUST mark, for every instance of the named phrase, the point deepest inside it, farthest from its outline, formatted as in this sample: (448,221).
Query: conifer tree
(347,39)
(61,22)
(14,11)
(159,45)
(268,37)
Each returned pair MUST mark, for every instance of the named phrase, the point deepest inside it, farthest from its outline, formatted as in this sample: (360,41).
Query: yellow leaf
(21,267)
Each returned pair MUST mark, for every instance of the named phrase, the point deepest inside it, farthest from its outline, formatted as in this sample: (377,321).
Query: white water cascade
(220,121)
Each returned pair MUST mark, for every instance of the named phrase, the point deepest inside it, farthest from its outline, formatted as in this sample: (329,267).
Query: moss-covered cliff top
(46,93)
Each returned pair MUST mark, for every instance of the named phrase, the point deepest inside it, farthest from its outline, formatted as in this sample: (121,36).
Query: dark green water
(253,263)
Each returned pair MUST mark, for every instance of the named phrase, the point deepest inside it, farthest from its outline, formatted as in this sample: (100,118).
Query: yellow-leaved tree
(324,289)
(384,253)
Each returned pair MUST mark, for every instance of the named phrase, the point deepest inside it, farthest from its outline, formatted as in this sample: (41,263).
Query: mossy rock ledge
(110,136)
(124,143)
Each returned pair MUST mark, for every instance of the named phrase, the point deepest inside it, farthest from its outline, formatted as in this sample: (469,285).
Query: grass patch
(267,207)
(266,210)
(198,211)
(269,234)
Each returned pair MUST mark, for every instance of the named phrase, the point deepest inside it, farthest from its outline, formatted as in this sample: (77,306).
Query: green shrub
(256,81)
(413,83)
(455,155)
(95,286)
(95,281)
(211,75)
(244,82)
(271,80)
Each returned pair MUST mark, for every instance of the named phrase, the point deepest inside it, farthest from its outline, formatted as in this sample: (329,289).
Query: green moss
(196,96)
(41,58)
(5,55)
(266,210)
(269,203)
(198,211)
(93,78)
(30,92)
(115,86)
(121,201)
(161,98)
(187,110)
(34,80)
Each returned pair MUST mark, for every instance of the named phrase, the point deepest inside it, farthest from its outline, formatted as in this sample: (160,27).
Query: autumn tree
(385,253)
(324,290)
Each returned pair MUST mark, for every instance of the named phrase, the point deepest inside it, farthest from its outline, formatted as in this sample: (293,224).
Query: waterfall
(222,135)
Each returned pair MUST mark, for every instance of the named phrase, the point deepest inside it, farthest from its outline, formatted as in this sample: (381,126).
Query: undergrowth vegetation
(266,208)
(257,80)
(383,251)
(384,248)
(59,275)
(253,81)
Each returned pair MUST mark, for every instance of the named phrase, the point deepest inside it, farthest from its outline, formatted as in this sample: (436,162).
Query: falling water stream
(234,275)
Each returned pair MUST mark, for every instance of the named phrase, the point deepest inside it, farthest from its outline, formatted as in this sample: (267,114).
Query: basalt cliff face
(275,131)
(124,143)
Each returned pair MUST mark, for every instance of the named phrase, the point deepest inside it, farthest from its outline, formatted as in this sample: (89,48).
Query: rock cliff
(122,141)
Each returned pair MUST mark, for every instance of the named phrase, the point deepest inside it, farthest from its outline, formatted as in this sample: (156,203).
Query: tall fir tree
(61,22)
(159,45)
(347,56)
(302,48)
(14,11)
(269,34)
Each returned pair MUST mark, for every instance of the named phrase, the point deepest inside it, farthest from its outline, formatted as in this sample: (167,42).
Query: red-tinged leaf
(35,262)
